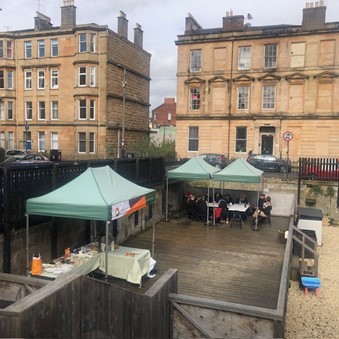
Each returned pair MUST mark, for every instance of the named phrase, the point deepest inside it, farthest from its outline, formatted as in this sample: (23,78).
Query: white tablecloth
(238,207)
(126,263)
(121,264)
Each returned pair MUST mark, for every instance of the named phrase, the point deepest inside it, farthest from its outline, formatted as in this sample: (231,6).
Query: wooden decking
(218,262)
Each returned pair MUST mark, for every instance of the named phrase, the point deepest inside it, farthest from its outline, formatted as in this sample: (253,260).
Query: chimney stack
(233,22)
(314,16)
(138,36)
(42,22)
(123,25)
(68,14)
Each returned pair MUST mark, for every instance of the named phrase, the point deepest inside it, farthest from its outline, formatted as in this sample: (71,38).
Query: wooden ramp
(218,262)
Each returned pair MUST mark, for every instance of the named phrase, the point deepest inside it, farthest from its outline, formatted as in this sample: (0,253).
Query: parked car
(215,159)
(269,163)
(18,153)
(31,157)
(325,170)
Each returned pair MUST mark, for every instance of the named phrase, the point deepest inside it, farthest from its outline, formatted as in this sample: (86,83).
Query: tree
(330,192)
(148,148)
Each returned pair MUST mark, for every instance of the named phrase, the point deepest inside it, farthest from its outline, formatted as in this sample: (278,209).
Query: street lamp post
(123,114)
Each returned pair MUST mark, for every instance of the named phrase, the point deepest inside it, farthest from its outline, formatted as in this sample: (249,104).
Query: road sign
(288,136)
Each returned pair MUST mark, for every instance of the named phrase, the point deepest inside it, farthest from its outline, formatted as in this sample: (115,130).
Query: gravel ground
(311,317)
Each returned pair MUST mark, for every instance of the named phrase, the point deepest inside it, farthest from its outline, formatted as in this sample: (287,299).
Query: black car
(215,159)
(269,163)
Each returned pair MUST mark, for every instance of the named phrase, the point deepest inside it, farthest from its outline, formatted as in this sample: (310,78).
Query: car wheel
(218,166)
(283,169)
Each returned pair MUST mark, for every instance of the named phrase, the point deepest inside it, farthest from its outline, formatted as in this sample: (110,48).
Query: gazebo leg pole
(153,235)
(27,245)
(166,209)
(106,254)
(255,228)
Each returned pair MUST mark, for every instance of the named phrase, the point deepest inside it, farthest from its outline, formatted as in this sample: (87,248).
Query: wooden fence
(75,306)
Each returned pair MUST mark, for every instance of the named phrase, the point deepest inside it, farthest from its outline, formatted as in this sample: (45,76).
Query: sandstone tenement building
(241,88)
(81,89)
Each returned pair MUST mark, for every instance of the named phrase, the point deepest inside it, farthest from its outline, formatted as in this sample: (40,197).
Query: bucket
(36,265)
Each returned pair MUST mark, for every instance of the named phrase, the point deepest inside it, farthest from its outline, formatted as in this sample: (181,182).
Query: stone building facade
(81,89)
(268,89)
(165,114)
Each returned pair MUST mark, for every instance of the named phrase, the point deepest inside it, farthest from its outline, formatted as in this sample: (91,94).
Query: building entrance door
(267,143)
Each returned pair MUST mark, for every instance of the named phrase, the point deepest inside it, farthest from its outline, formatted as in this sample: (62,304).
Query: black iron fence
(23,181)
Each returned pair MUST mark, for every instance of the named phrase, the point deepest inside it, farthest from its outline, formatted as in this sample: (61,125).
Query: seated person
(264,209)
(228,199)
(224,210)
(259,205)
(217,197)
(242,199)
(191,207)
(201,210)
(267,207)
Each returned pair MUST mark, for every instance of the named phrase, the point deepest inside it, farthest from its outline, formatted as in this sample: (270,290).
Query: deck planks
(218,262)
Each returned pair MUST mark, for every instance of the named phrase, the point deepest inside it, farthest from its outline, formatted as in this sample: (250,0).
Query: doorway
(266,144)
(267,140)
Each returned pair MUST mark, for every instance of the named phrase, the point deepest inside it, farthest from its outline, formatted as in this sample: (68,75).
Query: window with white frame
(2,78)
(241,139)
(28,80)
(194,99)
(92,76)
(10,110)
(242,97)
(41,48)
(41,79)
(28,110)
(10,142)
(9,49)
(3,140)
(270,56)
(268,97)
(193,139)
(54,110)
(54,47)
(82,42)
(195,60)
(41,110)
(6,49)
(244,58)
(92,40)
(82,108)
(81,142)
(2,110)
(41,141)
(91,142)
(28,49)
(54,78)
(82,76)
(10,84)
(54,140)
(92,109)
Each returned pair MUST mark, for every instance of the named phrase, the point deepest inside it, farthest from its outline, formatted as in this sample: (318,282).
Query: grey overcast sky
(161,22)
